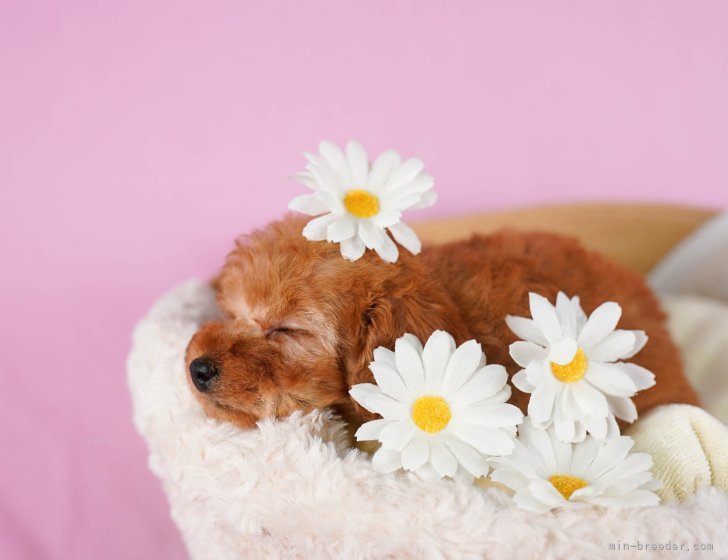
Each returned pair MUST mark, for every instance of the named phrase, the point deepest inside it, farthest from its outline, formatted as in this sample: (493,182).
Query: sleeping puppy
(302,323)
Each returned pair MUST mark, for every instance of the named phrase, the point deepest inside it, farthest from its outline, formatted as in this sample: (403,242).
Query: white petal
(371,397)
(414,342)
(635,498)
(612,427)
(545,317)
(493,415)
(643,498)
(385,356)
(308,204)
(406,173)
(512,479)
(402,199)
(567,315)
(442,459)
(526,329)
(541,403)
(583,456)
(525,460)
(611,379)
(545,492)
(386,219)
(428,199)
(386,460)
(488,441)
(469,458)
(435,356)
(520,381)
(313,159)
(401,204)
(540,446)
(352,249)
(463,363)
(635,481)
(566,404)
(615,345)
(397,435)
(653,485)
(428,473)
(420,184)
(641,377)
(565,428)
(600,323)
(409,364)
(371,235)
(388,251)
(412,195)
(563,351)
(564,454)
(596,426)
(341,229)
(580,432)
(333,155)
(636,462)
(623,408)
(610,455)
(641,339)
(315,230)
(485,384)
(382,168)
(581,317)
(538,372)
(389,381)
(405,236)
(324,177)
(416,454)
(591,401)
(332,201)
(525,500)
(358,163)
(370,431)
(307,179)
(503,394)
(523,352)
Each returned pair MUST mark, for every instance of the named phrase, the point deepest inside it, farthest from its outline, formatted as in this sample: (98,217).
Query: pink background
(138,138)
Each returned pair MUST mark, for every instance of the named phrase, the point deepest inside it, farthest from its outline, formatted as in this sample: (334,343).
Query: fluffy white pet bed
(293,488)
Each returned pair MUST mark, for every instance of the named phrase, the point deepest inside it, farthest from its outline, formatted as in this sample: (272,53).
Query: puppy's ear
(418,308)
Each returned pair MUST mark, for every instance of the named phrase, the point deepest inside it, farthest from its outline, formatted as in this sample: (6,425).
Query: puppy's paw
(689,448)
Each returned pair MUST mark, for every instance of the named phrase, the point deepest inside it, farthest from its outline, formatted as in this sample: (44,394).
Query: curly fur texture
(301,322)
(294,489)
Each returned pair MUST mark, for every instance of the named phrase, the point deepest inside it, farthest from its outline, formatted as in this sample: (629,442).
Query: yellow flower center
(566,484)
(361,203)
(431,414)
(574,370)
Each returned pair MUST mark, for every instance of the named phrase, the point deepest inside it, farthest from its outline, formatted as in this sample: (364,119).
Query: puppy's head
(302,324)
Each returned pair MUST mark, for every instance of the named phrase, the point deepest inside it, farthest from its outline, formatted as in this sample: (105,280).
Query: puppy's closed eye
(282,331)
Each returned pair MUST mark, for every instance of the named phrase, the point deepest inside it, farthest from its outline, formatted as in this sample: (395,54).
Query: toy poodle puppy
(302,323)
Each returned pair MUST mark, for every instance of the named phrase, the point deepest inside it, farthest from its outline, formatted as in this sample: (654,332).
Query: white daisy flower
(546,473)
(571,366)
(358,202)
(442,408)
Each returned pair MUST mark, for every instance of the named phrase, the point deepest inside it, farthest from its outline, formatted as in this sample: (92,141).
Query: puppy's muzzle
(203,372)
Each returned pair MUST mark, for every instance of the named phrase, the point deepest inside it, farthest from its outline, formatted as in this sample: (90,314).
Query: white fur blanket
(293,489)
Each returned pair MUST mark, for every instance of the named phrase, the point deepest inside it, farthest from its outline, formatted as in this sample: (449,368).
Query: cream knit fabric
(689,448)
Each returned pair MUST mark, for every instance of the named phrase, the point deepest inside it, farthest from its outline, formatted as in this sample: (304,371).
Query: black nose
(203,370)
